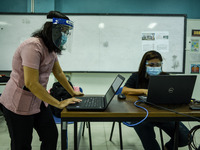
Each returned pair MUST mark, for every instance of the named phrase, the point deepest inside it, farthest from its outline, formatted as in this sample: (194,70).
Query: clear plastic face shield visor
(62,31)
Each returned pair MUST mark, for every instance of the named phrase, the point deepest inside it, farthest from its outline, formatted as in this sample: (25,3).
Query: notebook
(98,103)
(170,89)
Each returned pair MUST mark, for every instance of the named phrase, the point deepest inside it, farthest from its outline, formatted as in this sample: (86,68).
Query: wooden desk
(122,110)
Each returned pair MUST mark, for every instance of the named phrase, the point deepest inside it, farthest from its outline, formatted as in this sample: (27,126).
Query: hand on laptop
(68,101)
(145,92)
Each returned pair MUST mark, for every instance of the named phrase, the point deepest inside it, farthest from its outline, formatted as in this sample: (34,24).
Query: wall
(189,7)
(97,83)
(192,57)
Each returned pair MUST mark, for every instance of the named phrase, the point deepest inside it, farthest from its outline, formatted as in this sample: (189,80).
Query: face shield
(62,33)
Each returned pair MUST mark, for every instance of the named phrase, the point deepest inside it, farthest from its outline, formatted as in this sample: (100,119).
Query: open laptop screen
(171,89)
(117,83)
(113,89)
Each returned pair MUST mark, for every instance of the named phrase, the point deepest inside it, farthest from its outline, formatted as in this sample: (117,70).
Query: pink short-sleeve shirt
(34,54)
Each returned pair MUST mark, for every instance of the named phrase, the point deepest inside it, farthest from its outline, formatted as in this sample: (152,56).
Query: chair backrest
(77,88)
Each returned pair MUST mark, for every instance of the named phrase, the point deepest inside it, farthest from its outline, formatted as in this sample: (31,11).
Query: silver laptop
(170,89)
(98,103)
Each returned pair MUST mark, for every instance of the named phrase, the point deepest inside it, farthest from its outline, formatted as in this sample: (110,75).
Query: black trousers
(21,129)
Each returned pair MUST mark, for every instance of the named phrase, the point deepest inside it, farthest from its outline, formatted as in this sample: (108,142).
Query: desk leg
(176,135)
(64,139)
(75,136)
(90,138)
(120,136)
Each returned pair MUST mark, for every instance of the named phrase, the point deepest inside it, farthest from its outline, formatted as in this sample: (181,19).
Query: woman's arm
(60,76)
(132,91)
(31,80)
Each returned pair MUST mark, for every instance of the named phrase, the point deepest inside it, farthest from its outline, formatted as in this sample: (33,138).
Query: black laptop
(170,89)
(98,103)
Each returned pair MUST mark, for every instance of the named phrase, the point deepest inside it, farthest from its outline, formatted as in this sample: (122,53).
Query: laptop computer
(170,89)
(98,103)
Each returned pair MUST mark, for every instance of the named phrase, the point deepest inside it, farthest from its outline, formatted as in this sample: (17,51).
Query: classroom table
(124,110)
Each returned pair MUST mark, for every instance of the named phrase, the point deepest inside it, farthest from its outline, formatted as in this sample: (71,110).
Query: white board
(103,43)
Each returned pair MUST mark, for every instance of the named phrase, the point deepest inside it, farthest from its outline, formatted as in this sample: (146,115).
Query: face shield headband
(62,33)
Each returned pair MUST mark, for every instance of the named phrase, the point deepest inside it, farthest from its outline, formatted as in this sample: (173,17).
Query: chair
(120,135)
(119,91)
(120,129)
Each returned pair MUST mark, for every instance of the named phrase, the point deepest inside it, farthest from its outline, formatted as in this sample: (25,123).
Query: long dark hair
(45,33)
(143,81)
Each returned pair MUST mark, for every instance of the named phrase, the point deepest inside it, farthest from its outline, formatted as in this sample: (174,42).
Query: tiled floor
(100,137)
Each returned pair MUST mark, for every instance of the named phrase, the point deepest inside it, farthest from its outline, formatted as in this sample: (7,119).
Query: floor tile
(4,135)
(4,148)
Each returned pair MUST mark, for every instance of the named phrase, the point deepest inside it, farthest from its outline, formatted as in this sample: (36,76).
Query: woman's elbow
(124,91)
(29,84)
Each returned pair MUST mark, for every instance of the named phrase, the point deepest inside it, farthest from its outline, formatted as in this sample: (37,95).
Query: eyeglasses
(154,64)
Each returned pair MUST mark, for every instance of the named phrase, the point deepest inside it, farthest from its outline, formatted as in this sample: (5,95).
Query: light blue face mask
(153,71)
(63,39)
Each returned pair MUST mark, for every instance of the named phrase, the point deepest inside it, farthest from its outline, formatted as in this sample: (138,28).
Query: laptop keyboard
(91,102)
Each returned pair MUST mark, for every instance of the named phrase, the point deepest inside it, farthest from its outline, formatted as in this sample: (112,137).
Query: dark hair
(46,32)
(143,81)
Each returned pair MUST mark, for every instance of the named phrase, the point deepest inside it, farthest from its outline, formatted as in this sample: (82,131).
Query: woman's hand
(68,101)
(145,92)
(77,93)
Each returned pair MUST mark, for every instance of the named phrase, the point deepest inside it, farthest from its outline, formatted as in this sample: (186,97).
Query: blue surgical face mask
(63,39)
(153,71)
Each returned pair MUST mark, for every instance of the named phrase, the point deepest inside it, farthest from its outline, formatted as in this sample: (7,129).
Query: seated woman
(137,84)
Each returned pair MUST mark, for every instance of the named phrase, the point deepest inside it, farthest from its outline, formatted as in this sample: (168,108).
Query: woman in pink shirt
(25,98)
